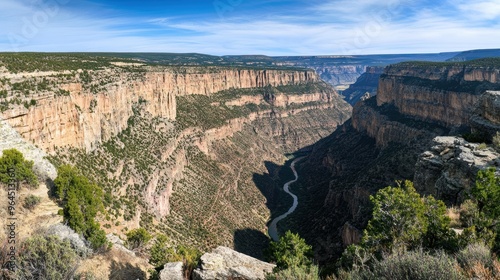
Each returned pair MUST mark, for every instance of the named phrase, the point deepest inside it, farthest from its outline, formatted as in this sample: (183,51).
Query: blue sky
(269,27)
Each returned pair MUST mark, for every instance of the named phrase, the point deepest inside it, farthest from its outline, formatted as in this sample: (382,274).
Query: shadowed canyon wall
(415,102)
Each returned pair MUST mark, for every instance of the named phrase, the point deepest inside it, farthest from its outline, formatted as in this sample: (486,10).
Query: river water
(273,231)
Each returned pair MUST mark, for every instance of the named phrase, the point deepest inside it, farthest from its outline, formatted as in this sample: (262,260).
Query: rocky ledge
(224,263)
(449,168)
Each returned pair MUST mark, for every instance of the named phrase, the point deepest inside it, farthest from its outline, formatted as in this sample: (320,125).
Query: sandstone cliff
(96,105)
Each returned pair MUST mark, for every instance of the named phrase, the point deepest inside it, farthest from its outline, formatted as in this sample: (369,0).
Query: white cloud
(482,10)
(374,27)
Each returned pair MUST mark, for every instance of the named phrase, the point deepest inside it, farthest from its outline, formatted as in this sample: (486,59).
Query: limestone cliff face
(445,95)
(92,112)
(412,100)
(486,118)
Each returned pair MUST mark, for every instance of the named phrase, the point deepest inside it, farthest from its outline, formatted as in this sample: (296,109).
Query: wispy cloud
(482,10)
(329,27)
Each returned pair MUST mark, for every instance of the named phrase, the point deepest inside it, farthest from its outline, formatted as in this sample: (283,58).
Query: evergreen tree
(159,251)
(22,169)
(290,251)
(398,220)
(81,200)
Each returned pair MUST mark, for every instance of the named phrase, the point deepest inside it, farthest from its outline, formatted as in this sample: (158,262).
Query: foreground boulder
(225,263)
(172,271)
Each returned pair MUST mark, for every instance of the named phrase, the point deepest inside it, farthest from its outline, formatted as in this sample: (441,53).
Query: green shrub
(415,265)
(46,257)
(159,251)
(137,237)
(13,160)
(355,257)
(403,220)
(469,213)
(398,219)
(296,273)
(474,254)
(189,256)
(31,201)
(290,251)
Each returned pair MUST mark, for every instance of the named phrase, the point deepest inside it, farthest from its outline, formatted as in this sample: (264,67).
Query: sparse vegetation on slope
(482,62)
(32,62)
(211,111)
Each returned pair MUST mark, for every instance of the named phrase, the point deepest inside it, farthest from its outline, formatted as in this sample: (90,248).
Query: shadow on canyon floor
(251,242)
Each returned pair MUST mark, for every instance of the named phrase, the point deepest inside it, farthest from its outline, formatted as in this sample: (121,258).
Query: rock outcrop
(64,232)
(224,263)
(449,168)
(172,271)
(11,139)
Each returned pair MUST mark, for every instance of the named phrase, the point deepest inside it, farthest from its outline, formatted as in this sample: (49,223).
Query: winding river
(273,231)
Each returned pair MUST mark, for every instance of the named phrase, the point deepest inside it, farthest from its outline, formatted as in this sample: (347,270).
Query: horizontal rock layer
(87,117)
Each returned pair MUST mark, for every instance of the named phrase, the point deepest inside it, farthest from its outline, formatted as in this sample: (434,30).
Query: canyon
(384,140)
(201,153)
(365,86)
(167,143)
